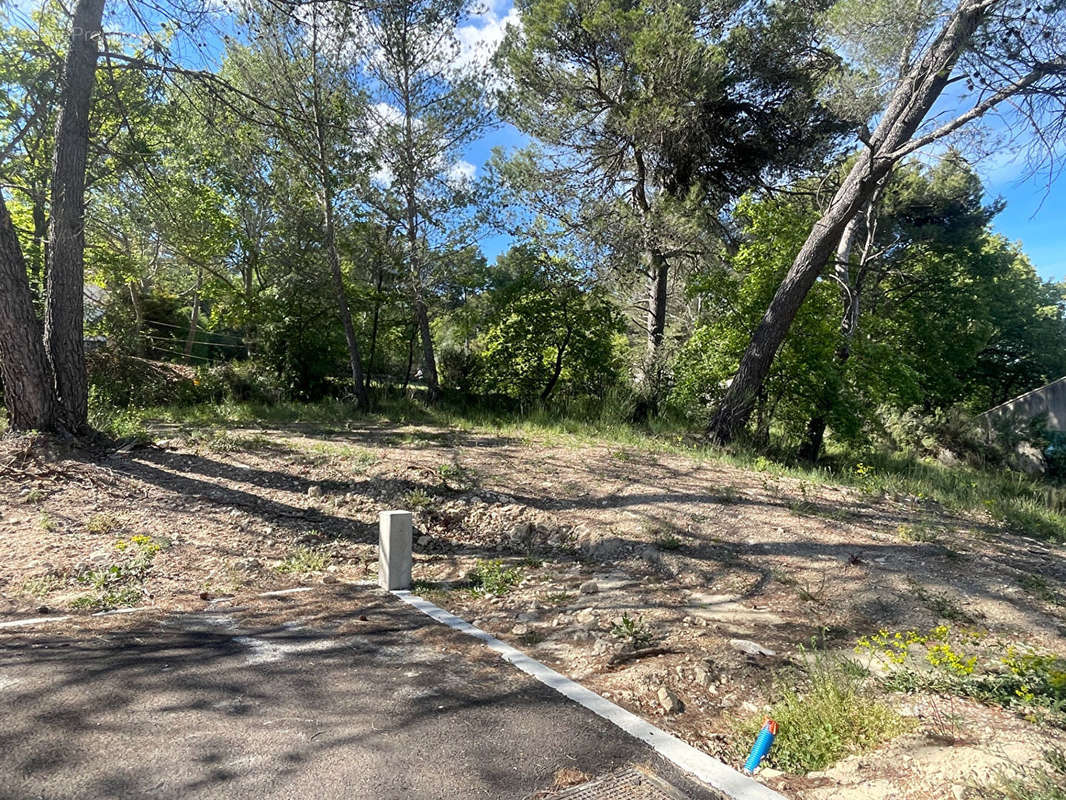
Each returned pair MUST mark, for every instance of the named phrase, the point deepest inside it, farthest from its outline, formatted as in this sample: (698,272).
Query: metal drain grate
(627,784)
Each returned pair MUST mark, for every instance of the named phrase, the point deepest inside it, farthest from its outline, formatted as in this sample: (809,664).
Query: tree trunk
(40,246)
(812,444)
(558,368)
(138,318)
(410,357)
(362,400)
(910,102)
(64,327)
(194,314)
(28,391)
(378,282)
(658,273)
(429,363)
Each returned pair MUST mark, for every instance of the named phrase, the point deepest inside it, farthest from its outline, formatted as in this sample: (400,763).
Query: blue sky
(1035,214)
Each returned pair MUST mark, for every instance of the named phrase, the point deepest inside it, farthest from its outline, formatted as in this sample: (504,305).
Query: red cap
(770,725)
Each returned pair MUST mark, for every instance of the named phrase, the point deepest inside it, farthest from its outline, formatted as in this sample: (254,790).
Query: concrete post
(394,550)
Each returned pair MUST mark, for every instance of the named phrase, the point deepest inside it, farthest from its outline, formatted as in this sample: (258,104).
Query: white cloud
(461,172)
(479,38)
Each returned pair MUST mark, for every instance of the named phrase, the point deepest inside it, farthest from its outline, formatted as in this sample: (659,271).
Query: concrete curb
(711,771)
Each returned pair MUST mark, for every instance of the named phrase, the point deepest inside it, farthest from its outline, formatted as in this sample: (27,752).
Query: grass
(42,586)
(1021,503)
(305,561)
(833,715)
(493,578)
(102,523)
(1045,781)
(119,583)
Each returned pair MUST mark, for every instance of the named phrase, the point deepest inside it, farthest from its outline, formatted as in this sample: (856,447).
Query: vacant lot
(686,589)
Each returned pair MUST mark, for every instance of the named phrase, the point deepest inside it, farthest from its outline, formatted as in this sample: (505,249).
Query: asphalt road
(344,694)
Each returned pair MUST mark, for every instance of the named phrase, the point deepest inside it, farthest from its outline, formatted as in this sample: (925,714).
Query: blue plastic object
(762,745)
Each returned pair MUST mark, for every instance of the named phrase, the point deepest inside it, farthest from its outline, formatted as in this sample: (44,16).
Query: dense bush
(118,379)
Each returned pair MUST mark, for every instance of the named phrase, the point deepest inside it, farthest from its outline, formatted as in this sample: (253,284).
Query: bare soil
(699,553)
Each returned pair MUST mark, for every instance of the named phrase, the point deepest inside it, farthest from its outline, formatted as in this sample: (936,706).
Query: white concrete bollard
(394,550)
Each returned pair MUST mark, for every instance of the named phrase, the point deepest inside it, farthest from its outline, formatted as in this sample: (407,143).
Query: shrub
(305,561)
(834,715)
(493,578)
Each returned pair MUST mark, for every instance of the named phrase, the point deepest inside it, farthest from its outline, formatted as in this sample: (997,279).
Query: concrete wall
(1050,400)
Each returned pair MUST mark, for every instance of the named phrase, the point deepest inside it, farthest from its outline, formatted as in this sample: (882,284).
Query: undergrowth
(1022,504)
(822,717)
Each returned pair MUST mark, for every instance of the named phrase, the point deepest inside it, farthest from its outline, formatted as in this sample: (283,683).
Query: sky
(1035,213)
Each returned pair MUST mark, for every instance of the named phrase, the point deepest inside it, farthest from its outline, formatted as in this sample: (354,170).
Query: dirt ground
(727,574)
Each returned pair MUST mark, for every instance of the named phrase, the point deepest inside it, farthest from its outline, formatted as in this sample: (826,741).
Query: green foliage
(493,578)
(543,333)
(972,664)
(633,632)
(822,717)
(1046,781)
(119,583)
(305,561)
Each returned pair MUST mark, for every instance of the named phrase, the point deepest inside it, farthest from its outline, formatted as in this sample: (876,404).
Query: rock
(314,491)
(605,548)
(327,578)
(423,540)
(651,556)
(750,648)
(769,773)
(527,616)
(670,702)
(589,587)
(602,647)
(44,610)
(521,533)
(521,629)
(703,676)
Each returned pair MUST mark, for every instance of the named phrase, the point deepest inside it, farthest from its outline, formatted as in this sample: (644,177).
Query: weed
(558,598)
(42,586)
(305,561)
(941,605)
(1038,587)
(433,591)
(493,578)
(783,577)
(668,541)
(101,523)
(119,583)
(834,715)
(919,532)
(967,664)
(634,632)
(727,495)
(1043,782)
(34,496)
(121,597)
(417,500)
(456,478)
(46,523)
